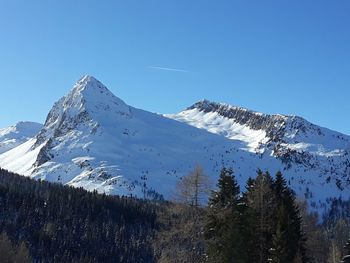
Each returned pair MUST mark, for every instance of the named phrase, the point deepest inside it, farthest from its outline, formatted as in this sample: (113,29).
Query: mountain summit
(93,139)
(89,99)
(91,95)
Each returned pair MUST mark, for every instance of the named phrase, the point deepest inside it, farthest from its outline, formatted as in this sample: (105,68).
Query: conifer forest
(46,222)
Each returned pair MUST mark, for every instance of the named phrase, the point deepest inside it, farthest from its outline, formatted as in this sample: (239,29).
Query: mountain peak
(89,103)
(89,94)
(87,79)
(89,84)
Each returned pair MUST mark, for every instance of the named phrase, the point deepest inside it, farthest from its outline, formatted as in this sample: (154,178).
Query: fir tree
(288,240)
(248,225)
(279,248)
(222,228)
(261,199)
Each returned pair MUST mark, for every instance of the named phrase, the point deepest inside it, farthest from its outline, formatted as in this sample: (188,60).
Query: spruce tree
(278,251)
(248,225)
(222,228)
(288,242)
(261,199)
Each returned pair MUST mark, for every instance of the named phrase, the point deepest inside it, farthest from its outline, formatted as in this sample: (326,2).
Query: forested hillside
(58,223)
(45,222)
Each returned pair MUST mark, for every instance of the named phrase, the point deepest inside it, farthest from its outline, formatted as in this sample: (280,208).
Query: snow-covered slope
(302,147)
(93,139)
(17,134)
(261,131)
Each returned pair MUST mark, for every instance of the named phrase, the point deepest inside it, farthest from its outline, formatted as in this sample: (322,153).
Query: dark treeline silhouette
(264,222)
(46,222)
(63,224)
(262,225)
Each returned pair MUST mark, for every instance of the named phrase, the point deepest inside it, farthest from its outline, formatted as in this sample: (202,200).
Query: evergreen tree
(223,228)
(279,248)
(288,236)
(248,225)
(261,199)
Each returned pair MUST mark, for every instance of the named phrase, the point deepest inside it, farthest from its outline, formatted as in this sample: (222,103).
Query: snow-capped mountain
(17,134)
(93,139)
(291,139)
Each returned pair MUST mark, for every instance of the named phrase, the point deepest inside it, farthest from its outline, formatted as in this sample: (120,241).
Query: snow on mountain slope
(297,143)
(21,158)
(93,139)
(258,129)
(218,124)
(17,134)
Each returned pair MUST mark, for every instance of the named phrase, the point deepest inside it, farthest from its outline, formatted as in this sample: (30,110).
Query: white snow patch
(215,123)
(21,159)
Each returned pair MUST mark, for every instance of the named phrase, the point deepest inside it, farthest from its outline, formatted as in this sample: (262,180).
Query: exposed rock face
(272,124)
(275,126)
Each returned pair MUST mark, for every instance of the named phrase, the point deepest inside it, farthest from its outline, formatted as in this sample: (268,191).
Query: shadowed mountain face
(93,139)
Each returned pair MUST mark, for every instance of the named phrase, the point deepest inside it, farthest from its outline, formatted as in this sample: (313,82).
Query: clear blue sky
(290,57)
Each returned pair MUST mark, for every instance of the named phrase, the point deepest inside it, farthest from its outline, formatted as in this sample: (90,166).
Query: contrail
(169,69)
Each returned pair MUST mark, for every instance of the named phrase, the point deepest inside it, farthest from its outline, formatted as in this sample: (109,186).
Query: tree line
(264,222)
